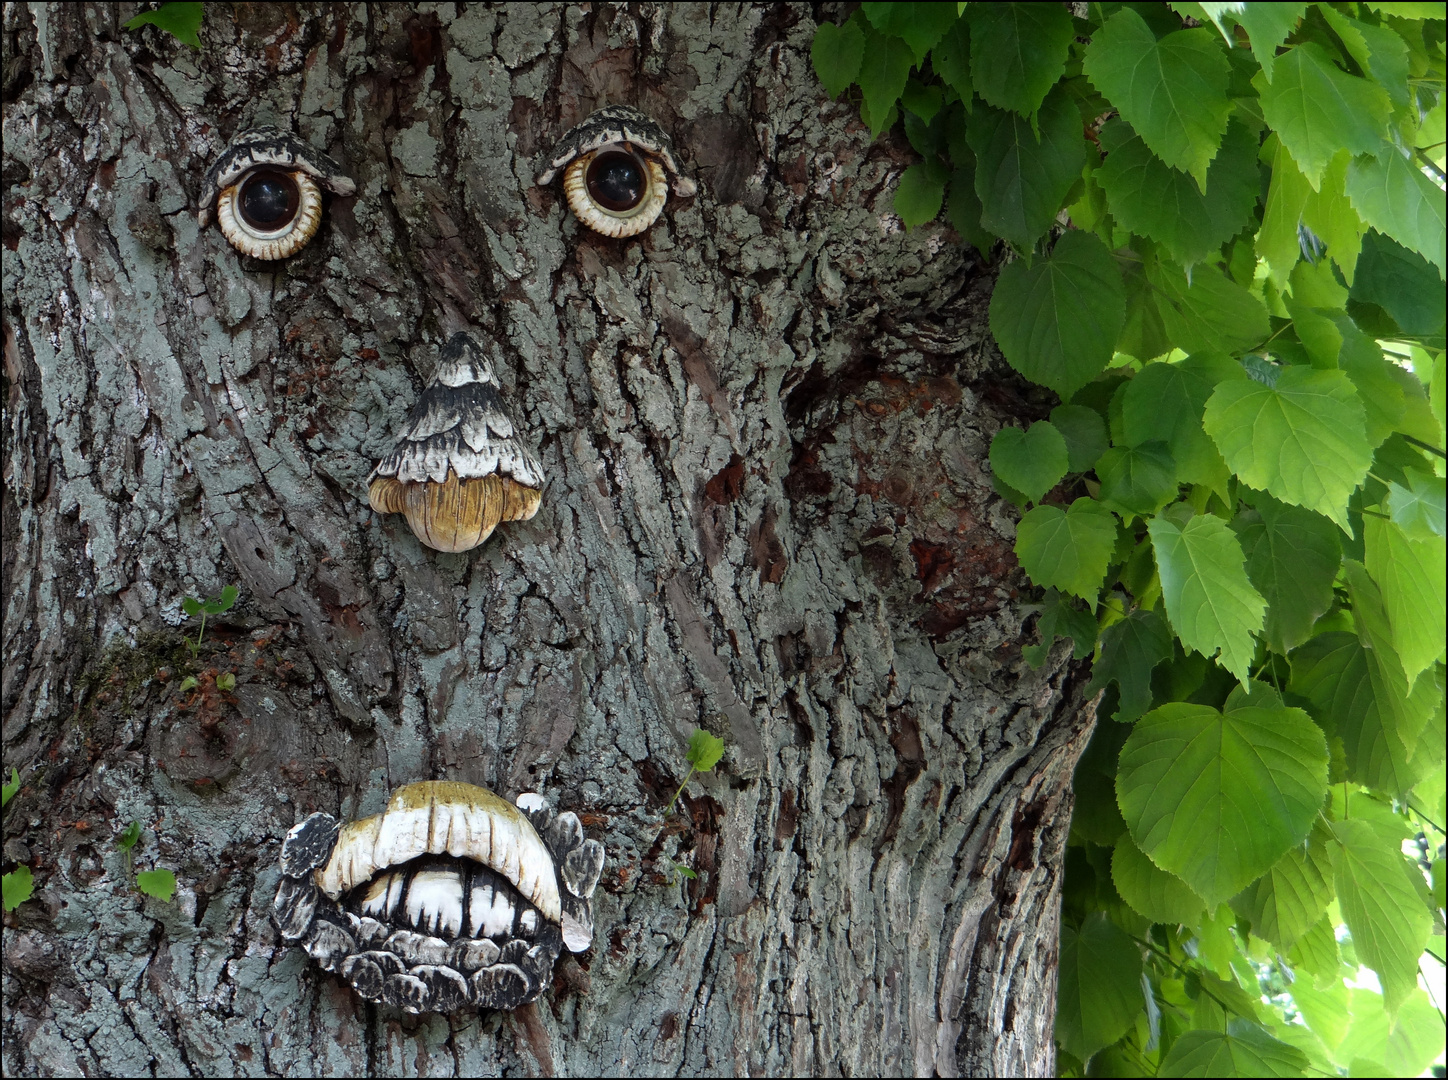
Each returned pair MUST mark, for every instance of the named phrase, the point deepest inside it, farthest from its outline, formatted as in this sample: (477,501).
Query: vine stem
(680,791)
(1426,446)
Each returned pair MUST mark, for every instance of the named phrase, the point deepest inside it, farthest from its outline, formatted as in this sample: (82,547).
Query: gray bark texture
(765,423)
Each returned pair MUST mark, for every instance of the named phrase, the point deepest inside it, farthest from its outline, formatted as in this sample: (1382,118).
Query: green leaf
(1411,575)
(1099,985)
(188,683)
(837,52)
(1303,440)
(1375,378)
(704,750)
(1383,906)
(1332,672)
(1292,558)
(1150,891)
(158,883)
(129,837)
(1325,1010)
(1278,238)
(883,71)
(1021,179)
(1316,109)
(951,59)
(1172,91)
(1392,195)
(1267,27)
(226,681)
(1246,1051)
(8,790)
(180,20)
(1084,432)
(1288,900)
(1210,602)
(1317,953)
(1056,321)
(1401,283)
(1060,619)
(1165,402)
(1212,314)
(1417,509)
(1033,461)
(1329,213)
(1067,550)
(1387,53)
(191,606)
(1217,798)
(228,597)
(1152,199)
(1404,1046)
(924,101)
(921,25)
(16,887)
(964,208)
(1130,649)
(920,194)
(1017,52)
(1137,479)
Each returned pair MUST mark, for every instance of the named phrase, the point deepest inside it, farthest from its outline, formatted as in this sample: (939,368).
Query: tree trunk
(765,424)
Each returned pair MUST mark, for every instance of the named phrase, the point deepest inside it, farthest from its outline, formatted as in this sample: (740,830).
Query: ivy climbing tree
(1221,230)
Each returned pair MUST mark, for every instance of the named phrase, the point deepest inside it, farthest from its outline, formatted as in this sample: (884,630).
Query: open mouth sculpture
(450,898)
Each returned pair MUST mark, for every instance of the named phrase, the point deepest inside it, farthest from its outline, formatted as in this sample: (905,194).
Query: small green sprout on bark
(217,605)
(672,868)
(704,753)
(127,840)
(158,883)
(180,20)
(17,885)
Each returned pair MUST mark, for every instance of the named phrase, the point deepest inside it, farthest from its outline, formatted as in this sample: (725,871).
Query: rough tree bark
(769,515)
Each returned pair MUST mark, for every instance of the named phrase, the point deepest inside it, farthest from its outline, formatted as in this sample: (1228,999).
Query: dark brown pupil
(268,199)
(616,180)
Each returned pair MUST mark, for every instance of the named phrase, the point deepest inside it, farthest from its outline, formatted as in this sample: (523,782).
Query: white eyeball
(618,168)
(267,190)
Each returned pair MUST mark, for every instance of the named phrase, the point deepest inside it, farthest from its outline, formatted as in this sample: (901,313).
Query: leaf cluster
(216,605)
(1223,237)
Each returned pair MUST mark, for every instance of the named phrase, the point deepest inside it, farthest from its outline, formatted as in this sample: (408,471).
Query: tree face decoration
(266,193)
(614,171)
(459,468)
(450,898)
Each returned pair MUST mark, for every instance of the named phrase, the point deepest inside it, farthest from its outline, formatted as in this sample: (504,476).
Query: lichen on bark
(769,515)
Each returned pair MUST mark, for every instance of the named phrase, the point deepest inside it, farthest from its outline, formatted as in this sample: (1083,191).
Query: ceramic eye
(618,167)
(267,191)
(460,467)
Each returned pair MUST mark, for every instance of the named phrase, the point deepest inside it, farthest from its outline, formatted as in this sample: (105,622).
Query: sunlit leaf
(1209,600)
(1217,798)
(1067,550)
(1173,91)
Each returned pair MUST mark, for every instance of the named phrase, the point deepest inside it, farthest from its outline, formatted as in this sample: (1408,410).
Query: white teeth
(444,818)
(435,901)
(490,912)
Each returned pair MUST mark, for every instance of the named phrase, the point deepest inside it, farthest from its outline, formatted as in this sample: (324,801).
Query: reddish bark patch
(728,483)
(933,563)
